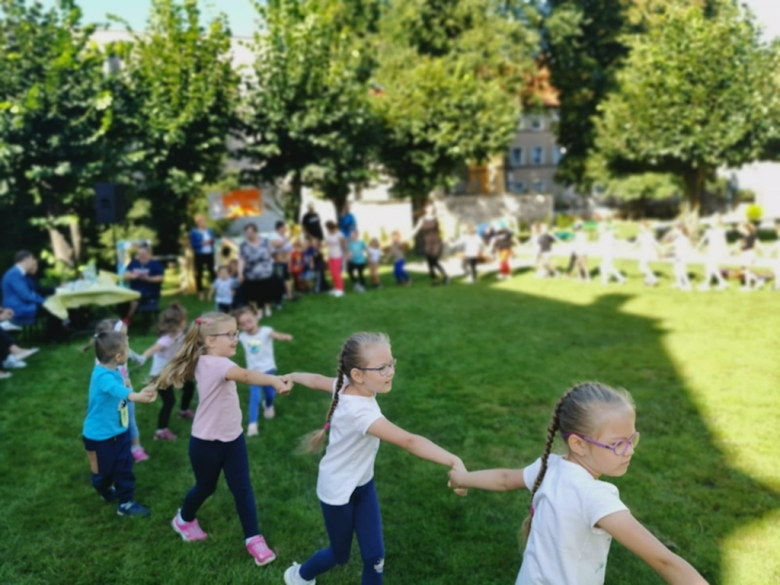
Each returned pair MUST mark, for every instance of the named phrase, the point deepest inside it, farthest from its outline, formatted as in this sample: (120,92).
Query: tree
(307,108)
(56,110)
(694,95)
(451,73)
(583,47)
(184,92)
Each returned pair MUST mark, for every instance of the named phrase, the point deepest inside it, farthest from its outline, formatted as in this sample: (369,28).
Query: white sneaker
(338,293)
(8,326)
(723,286)
(703,287)
(292,576)
(12,363)
(25,353)
(251,430)
(5,375)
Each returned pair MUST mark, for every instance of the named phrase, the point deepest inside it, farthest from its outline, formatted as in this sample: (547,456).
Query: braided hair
(575,412)
(351,356)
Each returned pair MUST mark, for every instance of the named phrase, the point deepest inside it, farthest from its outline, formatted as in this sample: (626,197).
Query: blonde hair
(181,368)
(351,356)
(577,411)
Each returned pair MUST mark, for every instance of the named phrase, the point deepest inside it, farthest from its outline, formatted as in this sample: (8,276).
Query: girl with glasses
(574,515)
(345,485)
(217,443)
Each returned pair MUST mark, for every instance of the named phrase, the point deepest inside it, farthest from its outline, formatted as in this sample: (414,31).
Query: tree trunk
(75,239)
(693,180)
(296,194)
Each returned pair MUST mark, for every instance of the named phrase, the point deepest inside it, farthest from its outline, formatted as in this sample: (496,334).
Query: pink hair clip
(198,321)
(326,426)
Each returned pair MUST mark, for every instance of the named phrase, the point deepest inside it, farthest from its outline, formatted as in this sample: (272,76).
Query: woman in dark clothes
(429,225)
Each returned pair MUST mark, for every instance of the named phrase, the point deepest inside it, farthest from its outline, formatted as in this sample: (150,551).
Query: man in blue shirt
(145,275)
(18,294)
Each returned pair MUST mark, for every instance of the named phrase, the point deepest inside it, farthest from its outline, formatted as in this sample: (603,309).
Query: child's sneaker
(132,509)
(292,576)
(269,412)
(188,414)
(260,551)
(139,454)
(189,531)
(164,435)
(251,430)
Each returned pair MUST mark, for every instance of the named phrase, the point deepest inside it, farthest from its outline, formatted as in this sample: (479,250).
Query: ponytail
(103,326)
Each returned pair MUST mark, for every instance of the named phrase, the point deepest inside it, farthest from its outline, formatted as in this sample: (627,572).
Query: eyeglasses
(619,447)
(383,370)
(232,336)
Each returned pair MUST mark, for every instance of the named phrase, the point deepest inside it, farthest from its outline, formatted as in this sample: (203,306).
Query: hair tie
(198,321)
(118,326)
(532,510)
(326,426)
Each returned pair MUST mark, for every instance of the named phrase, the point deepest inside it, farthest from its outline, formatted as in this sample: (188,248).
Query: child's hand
(148,394)
(457,476)
(139,359)
(284,384)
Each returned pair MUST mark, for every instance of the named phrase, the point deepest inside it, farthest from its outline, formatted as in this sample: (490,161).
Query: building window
(536,123)
(556,117)
(517,157)
(538,186)
(556,155)
(537,155)
(517,187)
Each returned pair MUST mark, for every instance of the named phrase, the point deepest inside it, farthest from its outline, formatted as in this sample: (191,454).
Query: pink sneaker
(188,414)
(139,454)
(189,531)
(260,551)
(164,435)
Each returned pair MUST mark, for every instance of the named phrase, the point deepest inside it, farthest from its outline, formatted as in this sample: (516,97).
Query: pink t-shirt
(218,417)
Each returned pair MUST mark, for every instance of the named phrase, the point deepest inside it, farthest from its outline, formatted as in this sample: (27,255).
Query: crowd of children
(574,514)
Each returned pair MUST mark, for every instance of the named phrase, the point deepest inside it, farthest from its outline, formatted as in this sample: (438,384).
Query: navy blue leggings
(361,516)
(209,459)
(115,466)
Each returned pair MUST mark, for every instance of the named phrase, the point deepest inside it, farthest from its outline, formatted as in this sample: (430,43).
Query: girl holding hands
(345,485)
(217,443)
(574,514)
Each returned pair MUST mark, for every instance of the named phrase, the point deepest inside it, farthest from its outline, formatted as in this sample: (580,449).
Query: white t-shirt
(717,245)
(565,547)
(170,345)
(648,245)
(607,243)
(224,291)
(259,349)
(580,245)
(333,242)
(374,255)
(472,246)
(349,458)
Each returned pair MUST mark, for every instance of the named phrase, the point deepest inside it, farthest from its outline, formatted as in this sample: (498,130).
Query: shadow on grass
(479,370)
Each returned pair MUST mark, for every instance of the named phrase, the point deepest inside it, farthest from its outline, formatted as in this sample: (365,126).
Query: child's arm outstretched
(416,445)
(282,384)
(279,336)
(313,381)
(630,533)
(494,480)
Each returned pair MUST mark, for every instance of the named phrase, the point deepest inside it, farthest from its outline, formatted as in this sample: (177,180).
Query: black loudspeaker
(110,203)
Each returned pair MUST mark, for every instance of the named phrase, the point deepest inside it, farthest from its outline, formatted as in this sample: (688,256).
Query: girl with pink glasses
(574,515)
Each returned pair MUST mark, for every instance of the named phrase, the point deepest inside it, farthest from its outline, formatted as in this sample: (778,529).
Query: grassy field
(479,369)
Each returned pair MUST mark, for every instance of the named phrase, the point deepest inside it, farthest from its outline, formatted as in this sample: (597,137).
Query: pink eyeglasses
(620,447)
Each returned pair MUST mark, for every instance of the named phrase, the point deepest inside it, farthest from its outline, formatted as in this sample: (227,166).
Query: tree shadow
(681,485)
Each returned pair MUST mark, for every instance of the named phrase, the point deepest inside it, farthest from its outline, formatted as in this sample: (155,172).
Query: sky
(242,15)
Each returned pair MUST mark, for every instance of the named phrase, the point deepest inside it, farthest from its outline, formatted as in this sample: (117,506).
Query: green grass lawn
(479,369)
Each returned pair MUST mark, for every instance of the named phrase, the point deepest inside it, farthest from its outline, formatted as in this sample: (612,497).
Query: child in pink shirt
(217,443)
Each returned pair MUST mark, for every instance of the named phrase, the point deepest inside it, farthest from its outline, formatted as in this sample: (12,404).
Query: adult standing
(145,275)
(429,225)
(256,270)
(347,222)
(282,249)
(202,244)
(311,223)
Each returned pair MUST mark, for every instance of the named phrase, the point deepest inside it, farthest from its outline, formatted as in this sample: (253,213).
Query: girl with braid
(345,485)
(574,515)
(217,443)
